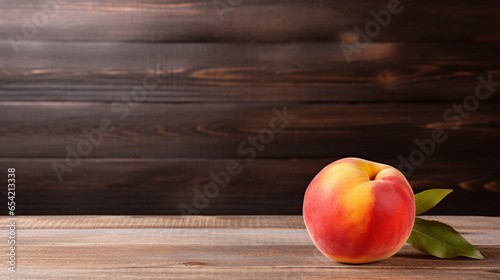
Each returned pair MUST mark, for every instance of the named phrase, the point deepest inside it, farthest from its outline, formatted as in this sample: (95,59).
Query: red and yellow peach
(358,211)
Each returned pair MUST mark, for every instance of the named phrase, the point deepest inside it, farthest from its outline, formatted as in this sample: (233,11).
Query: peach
(358,211)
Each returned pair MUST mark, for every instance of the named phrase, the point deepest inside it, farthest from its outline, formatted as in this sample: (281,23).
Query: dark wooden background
(221,81)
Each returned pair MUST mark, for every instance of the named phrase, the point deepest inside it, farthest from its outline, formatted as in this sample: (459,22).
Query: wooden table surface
(220,247)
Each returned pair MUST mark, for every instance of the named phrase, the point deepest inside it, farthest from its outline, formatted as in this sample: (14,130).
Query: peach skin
(358,211)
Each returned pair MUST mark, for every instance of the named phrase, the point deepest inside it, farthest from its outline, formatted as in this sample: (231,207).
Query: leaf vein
(460,249)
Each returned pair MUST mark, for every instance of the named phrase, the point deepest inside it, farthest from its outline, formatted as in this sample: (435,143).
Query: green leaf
(440,240)
(429,198)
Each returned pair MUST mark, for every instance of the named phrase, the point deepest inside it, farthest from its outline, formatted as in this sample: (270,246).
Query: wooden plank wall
(219,81)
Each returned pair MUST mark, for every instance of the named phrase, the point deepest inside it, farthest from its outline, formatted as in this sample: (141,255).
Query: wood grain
(217,130)
(194,271)
(166,255)
(265,186)
(251,21)
(147,247)
(79,237)
(218,83)
(270,222)
(229,72)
